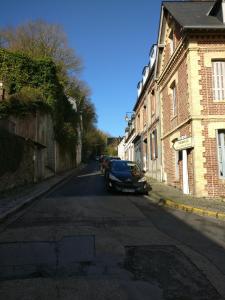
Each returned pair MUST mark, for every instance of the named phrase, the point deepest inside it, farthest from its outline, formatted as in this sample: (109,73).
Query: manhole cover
(167,266)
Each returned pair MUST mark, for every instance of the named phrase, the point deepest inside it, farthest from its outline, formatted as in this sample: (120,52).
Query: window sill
(218,101)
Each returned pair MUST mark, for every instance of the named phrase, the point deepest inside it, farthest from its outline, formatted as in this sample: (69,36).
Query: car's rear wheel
(107,185)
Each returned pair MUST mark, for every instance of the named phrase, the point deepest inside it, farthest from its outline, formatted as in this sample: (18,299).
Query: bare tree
(41,39)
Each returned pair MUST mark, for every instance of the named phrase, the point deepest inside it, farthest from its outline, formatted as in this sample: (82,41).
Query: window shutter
(221,152)
(218,72)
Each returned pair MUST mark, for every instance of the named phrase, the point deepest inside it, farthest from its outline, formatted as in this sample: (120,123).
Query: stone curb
(192,209)
(188,208)
(37,195)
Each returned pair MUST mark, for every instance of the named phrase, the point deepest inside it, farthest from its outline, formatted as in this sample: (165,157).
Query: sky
(113,39)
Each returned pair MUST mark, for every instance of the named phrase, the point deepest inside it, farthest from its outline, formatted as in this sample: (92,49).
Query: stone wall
(24,173)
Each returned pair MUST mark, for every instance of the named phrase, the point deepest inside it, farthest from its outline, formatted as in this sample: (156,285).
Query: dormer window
(139,87)
(152,55)
(145,73)
(218,10)
(171,41)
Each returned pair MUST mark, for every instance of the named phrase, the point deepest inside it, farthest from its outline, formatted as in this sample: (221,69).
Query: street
(81,242)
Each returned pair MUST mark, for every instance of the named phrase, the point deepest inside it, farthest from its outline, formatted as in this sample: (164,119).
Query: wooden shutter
(221,152)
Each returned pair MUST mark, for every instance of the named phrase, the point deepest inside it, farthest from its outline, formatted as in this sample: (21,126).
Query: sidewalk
(20,197)
(163,194)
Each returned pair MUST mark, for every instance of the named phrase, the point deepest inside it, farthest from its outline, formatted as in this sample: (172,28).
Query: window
(153,145)
(171,41)
(221,152)
(144,115)
(218,74)
(152,103)
(138,123)
(174,98)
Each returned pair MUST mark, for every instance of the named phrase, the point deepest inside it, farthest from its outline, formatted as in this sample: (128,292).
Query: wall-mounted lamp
(127,115)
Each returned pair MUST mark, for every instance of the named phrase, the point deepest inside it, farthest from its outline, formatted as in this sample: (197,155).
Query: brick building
(190,76)
(147,121)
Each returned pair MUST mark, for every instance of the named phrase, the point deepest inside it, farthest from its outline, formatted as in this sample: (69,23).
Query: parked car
(126,176)
(106,161)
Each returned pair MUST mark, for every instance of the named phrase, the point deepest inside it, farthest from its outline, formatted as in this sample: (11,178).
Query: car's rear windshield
(119,166)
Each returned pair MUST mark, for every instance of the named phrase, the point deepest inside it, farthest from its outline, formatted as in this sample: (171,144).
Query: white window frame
(221,152)
(218,80)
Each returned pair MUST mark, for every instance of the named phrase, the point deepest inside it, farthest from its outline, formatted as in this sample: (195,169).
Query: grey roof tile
(193,14)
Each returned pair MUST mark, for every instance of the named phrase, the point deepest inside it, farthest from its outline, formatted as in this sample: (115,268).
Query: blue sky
(113,38)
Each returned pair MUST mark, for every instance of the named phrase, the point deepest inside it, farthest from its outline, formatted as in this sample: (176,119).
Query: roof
(194,14)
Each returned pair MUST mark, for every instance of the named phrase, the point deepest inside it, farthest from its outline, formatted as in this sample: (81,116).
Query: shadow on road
(185,261)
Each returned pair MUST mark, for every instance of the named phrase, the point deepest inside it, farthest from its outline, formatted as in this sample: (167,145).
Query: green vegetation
(32,85)
(38,71)
(111,151)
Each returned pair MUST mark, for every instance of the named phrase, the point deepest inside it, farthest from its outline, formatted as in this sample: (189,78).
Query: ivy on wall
(33,85)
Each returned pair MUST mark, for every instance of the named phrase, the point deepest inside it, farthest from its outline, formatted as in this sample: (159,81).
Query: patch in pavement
(44,259)
(175,274)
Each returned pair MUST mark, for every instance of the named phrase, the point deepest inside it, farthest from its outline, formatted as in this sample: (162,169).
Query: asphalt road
(81,242)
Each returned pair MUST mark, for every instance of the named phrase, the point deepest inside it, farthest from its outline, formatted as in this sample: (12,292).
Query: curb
(37,195)
(188,208)
(196,210)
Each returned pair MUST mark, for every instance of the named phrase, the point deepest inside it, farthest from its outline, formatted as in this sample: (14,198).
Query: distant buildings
(113,142)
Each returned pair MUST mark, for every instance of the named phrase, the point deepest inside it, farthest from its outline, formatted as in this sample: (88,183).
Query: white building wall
(121,149)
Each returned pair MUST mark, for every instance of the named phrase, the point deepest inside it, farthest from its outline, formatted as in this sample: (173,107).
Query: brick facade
(189,69)
(211,48)
(189,89)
